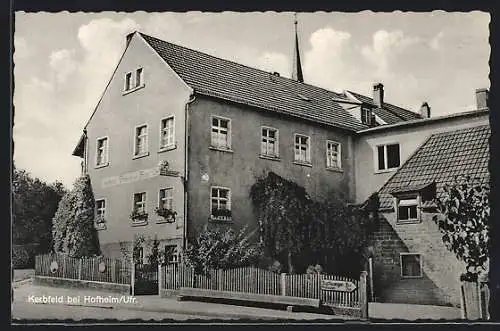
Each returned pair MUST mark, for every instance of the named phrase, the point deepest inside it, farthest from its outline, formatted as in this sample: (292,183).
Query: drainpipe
(85,152)
(192,97)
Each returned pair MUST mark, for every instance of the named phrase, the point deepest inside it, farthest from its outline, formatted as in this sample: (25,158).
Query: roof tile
(442,158)
(225,79)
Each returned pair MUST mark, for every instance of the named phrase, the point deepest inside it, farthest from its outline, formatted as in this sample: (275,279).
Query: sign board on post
(337,285)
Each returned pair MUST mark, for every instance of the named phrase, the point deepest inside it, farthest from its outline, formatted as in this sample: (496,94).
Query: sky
(63,61)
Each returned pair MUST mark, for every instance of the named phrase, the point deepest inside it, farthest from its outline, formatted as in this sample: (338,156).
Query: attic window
(303,97)
(133,80)
(366,116)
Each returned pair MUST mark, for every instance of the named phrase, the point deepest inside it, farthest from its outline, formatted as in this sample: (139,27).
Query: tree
(218,248)
(73,225)
(34,204)
(465,211)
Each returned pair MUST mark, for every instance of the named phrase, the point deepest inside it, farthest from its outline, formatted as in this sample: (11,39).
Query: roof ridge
(242,65)
(460,130)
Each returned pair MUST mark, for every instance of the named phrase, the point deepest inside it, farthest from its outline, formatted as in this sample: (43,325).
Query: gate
(146,279)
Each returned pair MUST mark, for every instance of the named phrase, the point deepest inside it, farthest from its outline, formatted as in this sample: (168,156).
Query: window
(165,200)
(138,77)
(221,133)
(269,142)
(141,140)
(167,133)
(366,116)
(302,148)
(140,202)
(102,152)
(171,253)
(388,156)
(100,210)
(407,209)
(411,265)
(128,81)
(220,203)
(333,154)
(139,81)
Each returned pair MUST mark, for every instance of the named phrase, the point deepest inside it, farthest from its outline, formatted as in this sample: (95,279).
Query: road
(31,311)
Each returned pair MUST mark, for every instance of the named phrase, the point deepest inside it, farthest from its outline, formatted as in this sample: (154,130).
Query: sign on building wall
(135,176)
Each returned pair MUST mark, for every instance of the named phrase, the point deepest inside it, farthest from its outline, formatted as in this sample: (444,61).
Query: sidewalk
(150,303)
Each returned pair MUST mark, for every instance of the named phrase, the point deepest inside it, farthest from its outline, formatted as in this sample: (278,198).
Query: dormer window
(366,116)
(408,209)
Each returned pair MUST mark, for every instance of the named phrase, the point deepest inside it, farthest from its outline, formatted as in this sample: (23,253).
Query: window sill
(402,222)
(139,223)
(162,220)
(335,169)
(102,165)
(302,163)
(138,156)
(412,277)
(385,170)
(221,149)
(270,157)
(133,89)
(167,148)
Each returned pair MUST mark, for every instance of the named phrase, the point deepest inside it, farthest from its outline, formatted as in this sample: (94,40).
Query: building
(410,262)
(218,125)
(189,133)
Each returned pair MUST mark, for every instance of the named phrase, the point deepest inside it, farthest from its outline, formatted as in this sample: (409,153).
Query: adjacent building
(179,136)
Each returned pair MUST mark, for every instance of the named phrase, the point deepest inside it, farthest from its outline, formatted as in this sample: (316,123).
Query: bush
(21,258)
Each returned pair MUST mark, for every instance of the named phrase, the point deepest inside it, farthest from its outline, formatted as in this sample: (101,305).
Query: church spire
(297,66)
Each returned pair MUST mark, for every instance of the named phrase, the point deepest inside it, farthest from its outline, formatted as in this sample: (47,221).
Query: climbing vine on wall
(298,231)
(465,211)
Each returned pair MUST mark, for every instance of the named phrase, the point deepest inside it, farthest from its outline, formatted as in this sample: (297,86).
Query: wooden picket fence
(475,298)
(260,281)
(98,269)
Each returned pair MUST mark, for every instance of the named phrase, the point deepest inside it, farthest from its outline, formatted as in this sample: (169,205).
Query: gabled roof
(441,159)
(389,113)
(212,76)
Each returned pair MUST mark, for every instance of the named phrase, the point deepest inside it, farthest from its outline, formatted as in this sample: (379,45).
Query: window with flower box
(220,204)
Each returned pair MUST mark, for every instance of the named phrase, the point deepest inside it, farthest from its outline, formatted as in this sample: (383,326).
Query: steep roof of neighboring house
(225,79)
(441,159)
(389,113)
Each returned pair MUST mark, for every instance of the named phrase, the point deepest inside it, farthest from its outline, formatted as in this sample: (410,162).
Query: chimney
(425,110)
(378,94)
(482,98)
(128,38)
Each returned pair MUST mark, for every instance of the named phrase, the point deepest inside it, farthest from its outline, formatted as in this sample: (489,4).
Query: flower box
(221,215)
(167,215)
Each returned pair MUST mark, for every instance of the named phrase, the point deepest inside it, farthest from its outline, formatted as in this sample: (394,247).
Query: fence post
(80,261)
(370,265)
(113,271)
(283,283)
(463,308)
(363,295)
(160,279)
(479,299)
(219,279)
(132,280)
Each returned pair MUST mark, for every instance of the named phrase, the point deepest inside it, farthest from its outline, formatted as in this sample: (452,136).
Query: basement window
(411,265)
